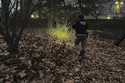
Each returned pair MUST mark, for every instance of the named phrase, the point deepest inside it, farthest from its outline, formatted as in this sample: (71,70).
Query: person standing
(80,27)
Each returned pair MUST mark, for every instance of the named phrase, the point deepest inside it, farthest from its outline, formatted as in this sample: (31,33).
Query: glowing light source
(32,16)
(116,2)
(119,2)
(109,17)
(118,5)
(122,3)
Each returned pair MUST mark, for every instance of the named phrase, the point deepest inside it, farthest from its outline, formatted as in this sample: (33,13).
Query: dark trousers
(81,39)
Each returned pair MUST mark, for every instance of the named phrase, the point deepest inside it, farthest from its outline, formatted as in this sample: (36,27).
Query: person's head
(81,17)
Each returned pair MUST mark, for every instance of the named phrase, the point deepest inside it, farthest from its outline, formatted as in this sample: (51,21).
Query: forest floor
(41,59)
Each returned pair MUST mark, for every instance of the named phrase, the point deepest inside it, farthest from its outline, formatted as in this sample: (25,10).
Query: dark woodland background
(36,45)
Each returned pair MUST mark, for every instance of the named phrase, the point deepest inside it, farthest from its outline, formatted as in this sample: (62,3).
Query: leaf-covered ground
(41,59)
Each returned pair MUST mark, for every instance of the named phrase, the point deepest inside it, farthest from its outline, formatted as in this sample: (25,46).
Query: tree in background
(92,7)
(14,18)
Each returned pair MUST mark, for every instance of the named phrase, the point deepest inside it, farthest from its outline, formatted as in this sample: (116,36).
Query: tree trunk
(12,45)
(13,42)
(81,7)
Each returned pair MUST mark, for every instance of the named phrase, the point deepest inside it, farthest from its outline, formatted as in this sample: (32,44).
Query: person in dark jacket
(80,27)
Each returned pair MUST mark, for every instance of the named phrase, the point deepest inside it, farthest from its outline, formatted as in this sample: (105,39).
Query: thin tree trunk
(80,6)
(13,42)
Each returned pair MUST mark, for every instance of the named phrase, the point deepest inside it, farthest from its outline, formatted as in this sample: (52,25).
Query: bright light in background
(117,7)
(122,3)
(119,3)
(116,2)
(109,17)
(34,16)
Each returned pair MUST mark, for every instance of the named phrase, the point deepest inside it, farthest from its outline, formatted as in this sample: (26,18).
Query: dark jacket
(80,27)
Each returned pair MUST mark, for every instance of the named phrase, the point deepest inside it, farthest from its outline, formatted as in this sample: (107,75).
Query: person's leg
(83,43)
(82,52)
(77,41)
